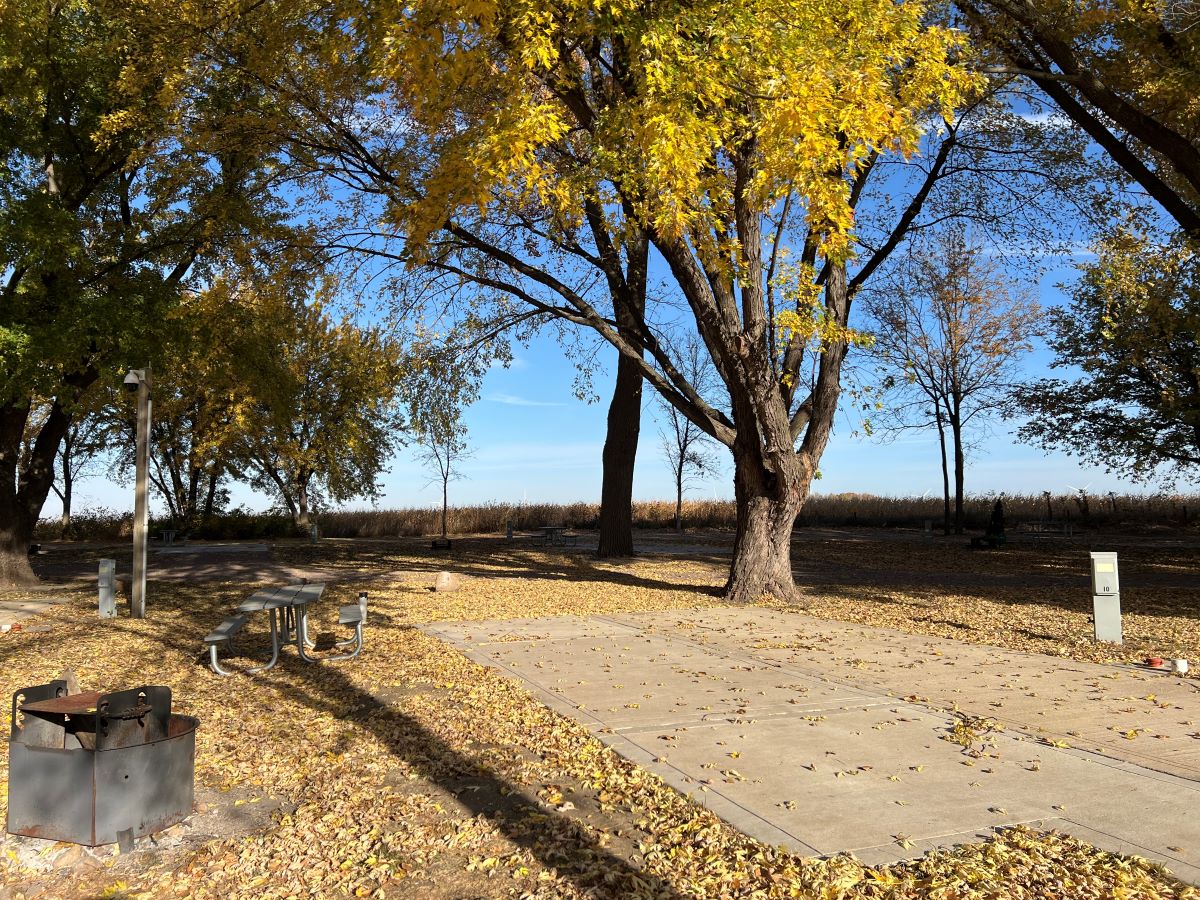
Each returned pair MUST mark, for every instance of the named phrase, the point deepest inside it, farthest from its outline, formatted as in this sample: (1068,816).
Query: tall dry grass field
(1130,512)
(841,510)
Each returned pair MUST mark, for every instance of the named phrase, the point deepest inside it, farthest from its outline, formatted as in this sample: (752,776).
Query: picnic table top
(288,595)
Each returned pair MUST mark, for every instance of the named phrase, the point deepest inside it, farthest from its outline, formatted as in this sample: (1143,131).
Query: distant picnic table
(554,535)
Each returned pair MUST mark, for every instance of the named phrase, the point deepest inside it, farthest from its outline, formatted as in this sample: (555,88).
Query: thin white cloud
(514,400)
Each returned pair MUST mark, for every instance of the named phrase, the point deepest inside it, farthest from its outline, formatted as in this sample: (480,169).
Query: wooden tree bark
(769,496)
(941,429)
(23,490)
(620,455)
(302,518)
(960,464)
(627,286)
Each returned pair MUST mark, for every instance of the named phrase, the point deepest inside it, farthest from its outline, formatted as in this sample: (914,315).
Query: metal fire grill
(97,768)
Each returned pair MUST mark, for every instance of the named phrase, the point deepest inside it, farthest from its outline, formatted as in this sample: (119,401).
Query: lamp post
(139,380)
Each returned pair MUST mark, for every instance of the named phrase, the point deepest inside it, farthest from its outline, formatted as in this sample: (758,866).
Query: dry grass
(1130,512)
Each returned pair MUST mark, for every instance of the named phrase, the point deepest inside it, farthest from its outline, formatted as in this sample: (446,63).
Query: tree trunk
(23,492)
(445,504)
(620,453)
(679,499)
(210,496)
(941,428)
(64,521)
(767,506)
(624,412)
(301,507)
(68,479)
(959,464)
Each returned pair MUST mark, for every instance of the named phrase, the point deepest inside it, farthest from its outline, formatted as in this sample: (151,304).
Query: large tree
(547,234)
(696,124)
(122,174)
(1132,332)
(323,416)
(350,127)
(1125,71)
(205,369)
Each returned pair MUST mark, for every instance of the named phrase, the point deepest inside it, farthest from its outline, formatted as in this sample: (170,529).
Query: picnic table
(287,607)
(552,535)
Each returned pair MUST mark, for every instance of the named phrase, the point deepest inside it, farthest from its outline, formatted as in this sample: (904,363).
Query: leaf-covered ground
(413,772)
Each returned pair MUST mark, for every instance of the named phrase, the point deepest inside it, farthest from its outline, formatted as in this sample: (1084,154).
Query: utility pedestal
(108,588)
(1106,598)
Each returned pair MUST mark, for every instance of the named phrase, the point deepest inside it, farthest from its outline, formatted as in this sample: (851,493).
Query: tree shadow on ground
(488,561)
(177,625)
(556,841)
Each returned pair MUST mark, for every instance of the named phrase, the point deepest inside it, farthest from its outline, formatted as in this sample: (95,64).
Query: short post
(314,533)
(929,528)
(508,529)
(1106,598)
(108,588)
(362,605)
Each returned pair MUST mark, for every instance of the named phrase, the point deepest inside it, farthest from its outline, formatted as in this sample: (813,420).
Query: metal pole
(137,600)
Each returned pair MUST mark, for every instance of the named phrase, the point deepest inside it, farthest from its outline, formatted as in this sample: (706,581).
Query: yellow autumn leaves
(504,97)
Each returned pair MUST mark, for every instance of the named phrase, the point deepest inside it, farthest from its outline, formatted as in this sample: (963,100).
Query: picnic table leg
(274,647)
(212,660)
(302,634)
(357,641)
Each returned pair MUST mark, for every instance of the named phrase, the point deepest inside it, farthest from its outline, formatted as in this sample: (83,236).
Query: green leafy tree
(201,397)
(122,176)
(323,417)
(1132,332)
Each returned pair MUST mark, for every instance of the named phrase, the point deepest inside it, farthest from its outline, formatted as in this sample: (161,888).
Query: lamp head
(133,380)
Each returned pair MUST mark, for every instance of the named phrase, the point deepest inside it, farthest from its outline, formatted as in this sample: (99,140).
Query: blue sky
(533,440)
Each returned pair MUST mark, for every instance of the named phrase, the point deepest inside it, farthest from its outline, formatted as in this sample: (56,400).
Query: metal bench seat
(352,614)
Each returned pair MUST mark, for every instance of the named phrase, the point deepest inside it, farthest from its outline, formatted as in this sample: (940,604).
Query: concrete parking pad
(756,714)
(13,611)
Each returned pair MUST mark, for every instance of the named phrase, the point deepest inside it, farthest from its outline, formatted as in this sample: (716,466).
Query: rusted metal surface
(85,767)
(70,704)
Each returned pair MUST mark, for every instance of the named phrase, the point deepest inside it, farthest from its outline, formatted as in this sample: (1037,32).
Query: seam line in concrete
(1146,769)
(1122,840)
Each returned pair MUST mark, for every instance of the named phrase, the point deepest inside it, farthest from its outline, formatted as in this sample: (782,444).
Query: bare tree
(436,395)
(443,444)
(690,453)
(84,443)
(948,333)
